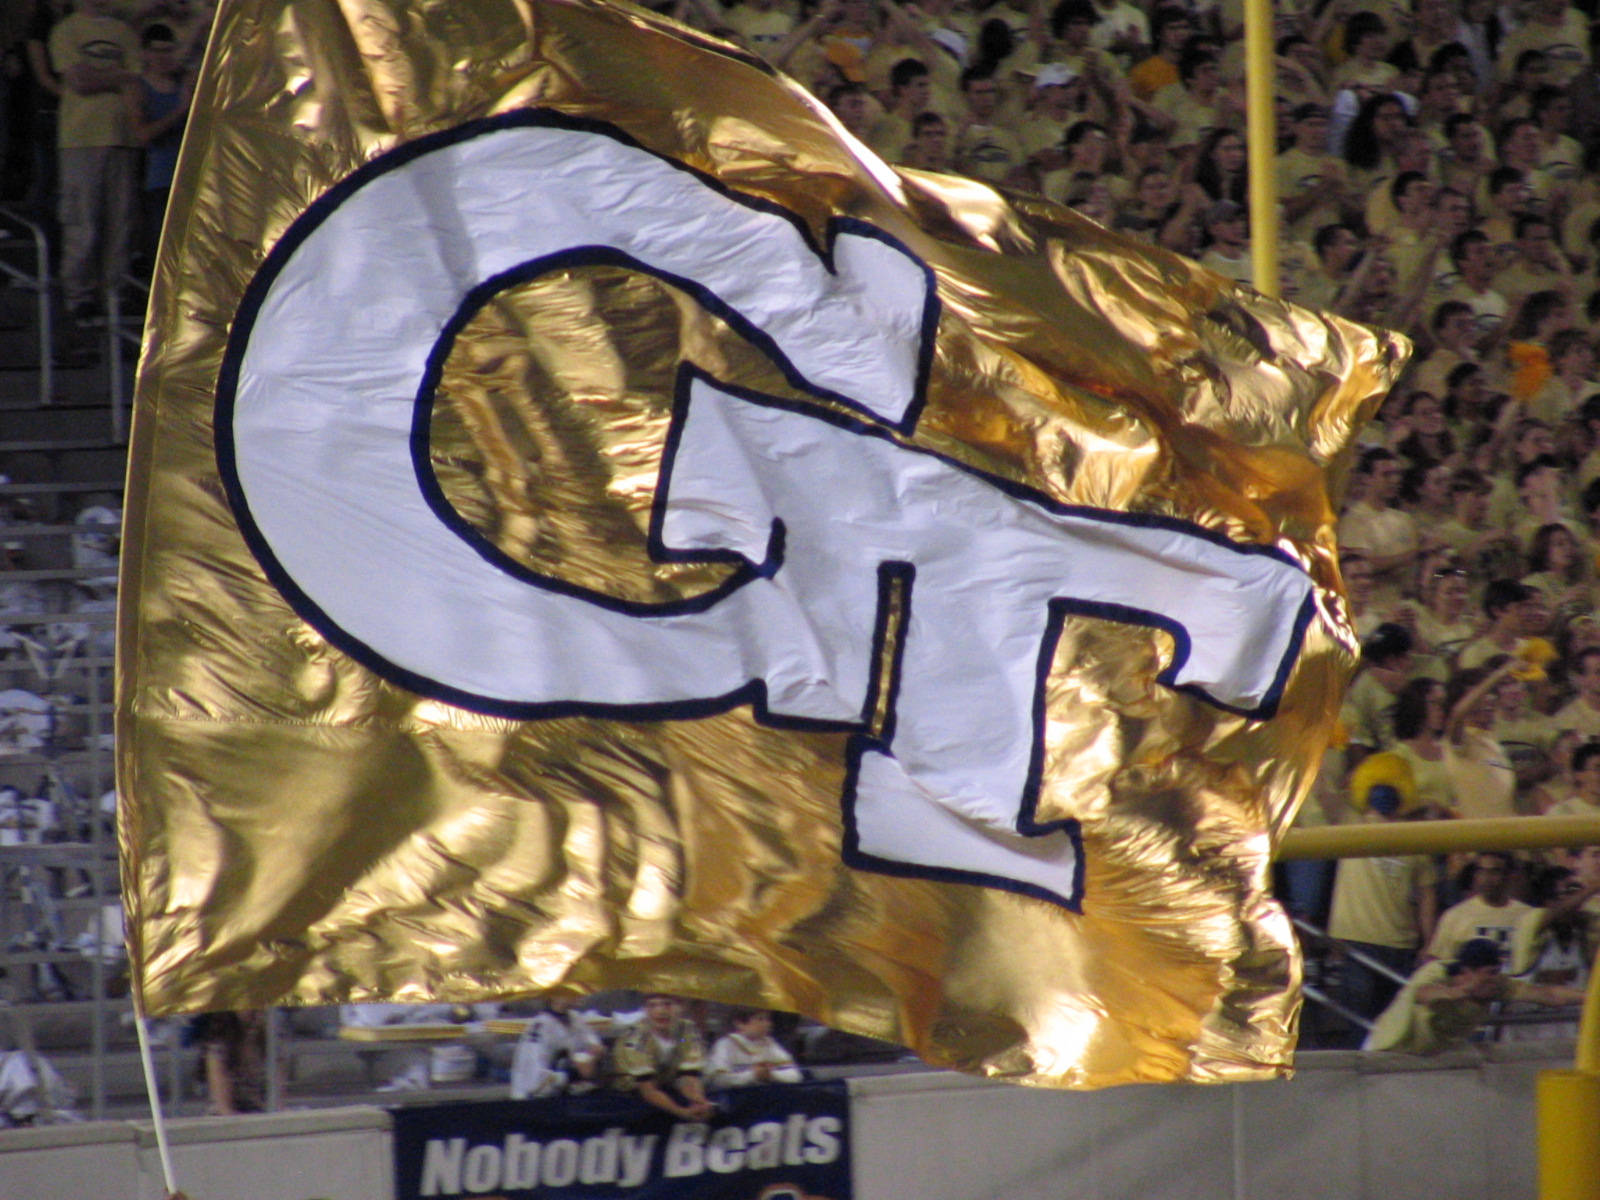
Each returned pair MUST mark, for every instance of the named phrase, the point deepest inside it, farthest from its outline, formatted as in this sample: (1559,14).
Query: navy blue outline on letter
(892,576)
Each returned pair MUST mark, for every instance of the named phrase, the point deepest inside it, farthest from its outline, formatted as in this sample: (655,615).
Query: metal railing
(23,230)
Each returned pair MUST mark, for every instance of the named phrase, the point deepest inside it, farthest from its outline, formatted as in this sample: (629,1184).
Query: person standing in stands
(158,106)
(662,1058)
(95,56)
(984,148)
(1489,912)
(1383,908)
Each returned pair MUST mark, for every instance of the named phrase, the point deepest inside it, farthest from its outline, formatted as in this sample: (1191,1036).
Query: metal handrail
(1366,960)
(1318,996)
(40,282)
(115,336)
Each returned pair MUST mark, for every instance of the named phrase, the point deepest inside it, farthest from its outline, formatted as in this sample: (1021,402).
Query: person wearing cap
(1444,1003)
(1228,252)
(1055,90)
(1383,908)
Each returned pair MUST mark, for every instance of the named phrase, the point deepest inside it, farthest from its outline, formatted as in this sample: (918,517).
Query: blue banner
(778,1142)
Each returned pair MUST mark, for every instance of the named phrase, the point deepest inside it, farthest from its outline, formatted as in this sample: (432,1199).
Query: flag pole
(1439,837)
(1262,142)
(157,1117)
(1569,1112)
(1568,1102)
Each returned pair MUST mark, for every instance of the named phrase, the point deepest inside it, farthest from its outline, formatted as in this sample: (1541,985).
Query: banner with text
(784,1142)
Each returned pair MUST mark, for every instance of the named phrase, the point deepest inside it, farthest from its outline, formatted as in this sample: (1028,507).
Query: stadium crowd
(1438,169)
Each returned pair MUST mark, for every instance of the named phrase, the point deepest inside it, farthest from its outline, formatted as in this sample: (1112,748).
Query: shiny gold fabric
(296,830)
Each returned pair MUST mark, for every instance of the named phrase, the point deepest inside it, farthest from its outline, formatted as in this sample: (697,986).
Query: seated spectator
(1450,328)
(1338,250)
(1160,213)
(1420,718)
(854,108)
(1444,1002)
(1366,41)
(556,1052)
(1464,163)
(1572,363)
(1428,442)
(749,1054)
(1538,266)
(1540,504)
(1081,49)
(1467,533)
(1557,30)
(1220,168)
(661,1059)
(30,1088)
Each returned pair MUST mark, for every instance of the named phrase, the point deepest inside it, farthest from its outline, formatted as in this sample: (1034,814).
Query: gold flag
(592,524)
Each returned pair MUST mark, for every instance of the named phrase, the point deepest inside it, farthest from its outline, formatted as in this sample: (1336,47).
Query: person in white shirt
(749,1055)
(556,1052)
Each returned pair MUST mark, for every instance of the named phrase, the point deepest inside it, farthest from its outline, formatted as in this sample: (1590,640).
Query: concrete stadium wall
(324,1154)
(1347,1127)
